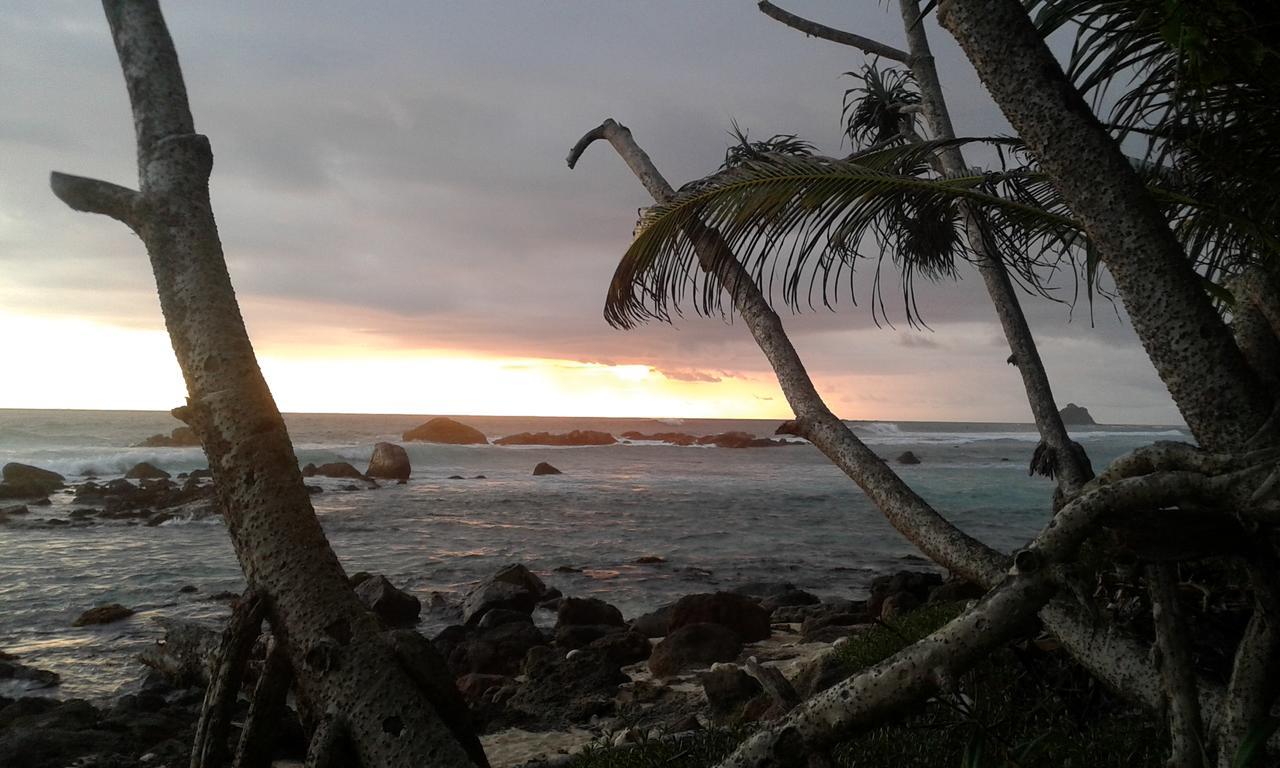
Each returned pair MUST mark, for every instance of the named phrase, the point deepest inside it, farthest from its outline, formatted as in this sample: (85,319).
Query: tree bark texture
(343,666)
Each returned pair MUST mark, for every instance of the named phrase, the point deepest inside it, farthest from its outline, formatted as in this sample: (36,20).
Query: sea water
(717,517)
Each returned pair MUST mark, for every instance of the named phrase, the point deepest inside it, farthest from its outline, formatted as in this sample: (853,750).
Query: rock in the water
(339,469)
(103,614)
(1076,415)
(442,429)
(737,612)
(395,607)
(788,599)
(23,481)
(389,461)
(576,437)
(543,468)
(35,678)
(694,645)
(180,437)
(146,471)
(649,560)
(740,440)
(587,610)
(673,438)
(513,587)
(907,457)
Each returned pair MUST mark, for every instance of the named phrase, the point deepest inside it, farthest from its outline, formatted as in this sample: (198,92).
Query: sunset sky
(404,235)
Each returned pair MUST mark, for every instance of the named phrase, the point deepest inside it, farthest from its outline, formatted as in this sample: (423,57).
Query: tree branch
(210,746)
(95,196)
(1255,673)
(1181,697)
(814,29)
(265,709)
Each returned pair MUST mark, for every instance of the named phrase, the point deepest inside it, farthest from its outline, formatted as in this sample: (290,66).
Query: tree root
(209,750)
(1182,706)
(265,709)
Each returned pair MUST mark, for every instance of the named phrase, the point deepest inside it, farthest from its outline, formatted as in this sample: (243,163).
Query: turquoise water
(718,516)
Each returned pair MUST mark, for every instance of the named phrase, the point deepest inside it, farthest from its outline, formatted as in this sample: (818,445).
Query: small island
(1076,415)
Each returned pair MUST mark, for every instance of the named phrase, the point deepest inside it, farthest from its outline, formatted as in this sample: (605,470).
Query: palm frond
(878,111)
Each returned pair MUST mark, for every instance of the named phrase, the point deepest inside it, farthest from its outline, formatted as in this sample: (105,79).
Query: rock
(655,623)
(389,461)
(955,590)
(833,626)
(587,610)
(395,607)
(1076,415)
(23,481)
(575,636)
(576,437)
(918,583)
(567,569)
(694,645)
(180,437)
(187,589)
(674,438)
(762,589)
(310,470)
(788,599)
(819,673)
(512,587)
(497,650)
(442,429)
(729,690)
(543,468)
(737,612)
(894,606)
(907,457)
(649,560)
(36,678)
(740,440)
(103,614)
(474,685)
(624,647)
(562,690)
(339,469)
(500,616)
(146,471)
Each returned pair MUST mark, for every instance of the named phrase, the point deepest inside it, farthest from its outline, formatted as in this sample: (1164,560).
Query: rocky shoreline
(537,690)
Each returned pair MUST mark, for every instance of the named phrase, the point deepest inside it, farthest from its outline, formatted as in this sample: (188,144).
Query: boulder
(649,560)
(674,438)
(917,583)
(34,678)
(574,636)
(180,437)
(543,468)
(146,471)
(694,645)
(737,612)
(896,605)
(442,429)
(103,614)
(395,607)
(389,461)
(789,599)
(23,481)
(574,438)
(729,690)
(819,673)
(762,589)
(833,626)
(587,610)
(496,650)
(623,647)
(339,469)
(954,590)
(739,440)
(475,687)
(655,623)
(512,587)
(1076,415)
(560,690)
(907,457)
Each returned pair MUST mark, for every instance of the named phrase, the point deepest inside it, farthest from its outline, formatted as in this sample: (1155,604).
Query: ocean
(718,517)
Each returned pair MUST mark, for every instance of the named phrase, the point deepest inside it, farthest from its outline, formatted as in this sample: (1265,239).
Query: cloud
(690,375)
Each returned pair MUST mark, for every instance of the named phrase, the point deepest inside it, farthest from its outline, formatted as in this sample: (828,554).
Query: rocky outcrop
(737,612)
(673,438)
(543,468)
(907,457)
(514,588)
(655,623)
(23,481)
(389,462)
(587,610)
(1076,415)
(722,440)
(103,614)
(180,437)
(33,678)
(694,645)
(395,607)
(497,649)
(144,470)
(577,437)
(559,690)
(334,469)
(442,429)
(907,588)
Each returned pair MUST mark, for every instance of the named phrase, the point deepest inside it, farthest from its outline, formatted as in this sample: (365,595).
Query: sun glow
(78,363)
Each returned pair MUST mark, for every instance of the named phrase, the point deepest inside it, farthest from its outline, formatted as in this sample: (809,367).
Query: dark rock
(649,560)
(455,477)
(587,610)
(894,606)
(512,587)
(655,623)
(762,589)
(389,461)
(674,438)
(624,647)
(475,686)
(315,490)
(740,440)
(499,616)
(574,636)
(37,678)
(497,650)
(187,589)
(310,470)
(830,627)
(200,474)
(789,428)
(395,607)
(158,518)
(23,481)
(694,645)
(339,469)
(559,690)
(576,437)
(907,457)
(543,468)
(918,583)
(729,690)
(737,612)
(954,590)
(819,673)
(1076,415)
(567,569)
(103,614)
(445,430)
(180,437)
(788,599)
(146,471)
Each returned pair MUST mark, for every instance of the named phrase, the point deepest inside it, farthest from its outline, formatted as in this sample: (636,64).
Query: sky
(405,237)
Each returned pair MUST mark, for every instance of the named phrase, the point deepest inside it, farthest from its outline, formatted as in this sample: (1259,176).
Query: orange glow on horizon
(81,364)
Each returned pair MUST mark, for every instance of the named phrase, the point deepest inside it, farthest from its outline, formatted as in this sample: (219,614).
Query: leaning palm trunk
(366,697)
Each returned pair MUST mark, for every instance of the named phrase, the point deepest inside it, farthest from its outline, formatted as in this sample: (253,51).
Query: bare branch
(774,683)
(149,62)
(95,196)
(814,29)
(636,158)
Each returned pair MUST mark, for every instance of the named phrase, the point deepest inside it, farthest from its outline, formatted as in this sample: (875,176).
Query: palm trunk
(1220,397)
(344,667)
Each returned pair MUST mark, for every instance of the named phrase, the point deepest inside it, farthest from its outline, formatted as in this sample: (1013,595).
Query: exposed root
(1182,702)
(209,750)
(265,709)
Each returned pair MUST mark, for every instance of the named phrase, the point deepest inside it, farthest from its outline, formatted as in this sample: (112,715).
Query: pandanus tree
(1180,251)
(371,698)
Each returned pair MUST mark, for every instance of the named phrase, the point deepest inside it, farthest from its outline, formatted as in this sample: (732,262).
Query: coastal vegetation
(1139,627)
